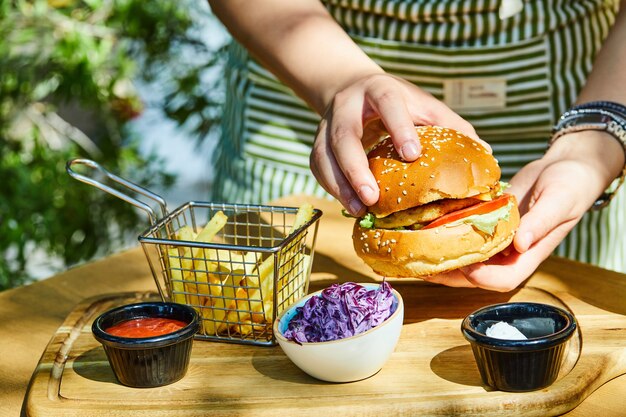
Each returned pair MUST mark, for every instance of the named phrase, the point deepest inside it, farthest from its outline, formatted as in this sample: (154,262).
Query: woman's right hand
(357,116)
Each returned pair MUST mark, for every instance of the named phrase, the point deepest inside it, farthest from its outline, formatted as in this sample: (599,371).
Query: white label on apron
(509,8)
(475,93)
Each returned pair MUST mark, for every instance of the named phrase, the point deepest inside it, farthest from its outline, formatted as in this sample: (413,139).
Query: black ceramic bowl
(148,361)
(519,365)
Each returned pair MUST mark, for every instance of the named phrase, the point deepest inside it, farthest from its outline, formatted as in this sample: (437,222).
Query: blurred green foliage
(66,90)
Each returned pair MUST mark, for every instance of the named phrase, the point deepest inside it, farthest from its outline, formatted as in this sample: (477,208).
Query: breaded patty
(421,215)
(424,214)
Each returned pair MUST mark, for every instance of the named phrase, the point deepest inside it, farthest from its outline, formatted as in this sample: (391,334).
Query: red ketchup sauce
(145,327)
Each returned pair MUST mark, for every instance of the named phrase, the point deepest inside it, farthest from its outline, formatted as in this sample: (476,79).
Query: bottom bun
(420,253)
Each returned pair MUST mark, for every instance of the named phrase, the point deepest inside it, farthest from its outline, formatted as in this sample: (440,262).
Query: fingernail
(409,151)
(354,206)
(366,192)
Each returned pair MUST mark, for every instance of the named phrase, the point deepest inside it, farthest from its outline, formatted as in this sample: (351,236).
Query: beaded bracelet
(604,116)
(611,106)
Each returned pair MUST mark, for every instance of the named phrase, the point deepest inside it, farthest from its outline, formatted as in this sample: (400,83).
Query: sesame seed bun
(452,172)
(420,253)
(451,165)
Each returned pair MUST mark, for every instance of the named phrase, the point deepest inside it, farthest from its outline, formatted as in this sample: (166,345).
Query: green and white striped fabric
(540,56)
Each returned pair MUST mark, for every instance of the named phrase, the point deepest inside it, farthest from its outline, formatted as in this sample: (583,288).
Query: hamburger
(445,210)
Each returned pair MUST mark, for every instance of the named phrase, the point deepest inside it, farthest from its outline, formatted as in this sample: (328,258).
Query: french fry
(214,305)
(220,307)
(223,291)
(234,291)
(174,256)
(185,233)
(246,327)
(293,279)
(288,270)
(303,215)
(255,297)
(176,275)
(214,271)
(248,305)
(213,226)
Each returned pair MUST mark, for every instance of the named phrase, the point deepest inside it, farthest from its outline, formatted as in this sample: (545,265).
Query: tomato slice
(480,208)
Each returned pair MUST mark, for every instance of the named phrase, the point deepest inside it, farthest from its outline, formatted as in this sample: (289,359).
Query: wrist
(597,149)
(598,116)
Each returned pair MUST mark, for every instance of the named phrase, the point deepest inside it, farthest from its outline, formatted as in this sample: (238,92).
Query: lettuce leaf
(503,187)
(367,222)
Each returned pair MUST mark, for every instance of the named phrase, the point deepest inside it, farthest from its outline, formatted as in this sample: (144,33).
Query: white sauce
(503,330)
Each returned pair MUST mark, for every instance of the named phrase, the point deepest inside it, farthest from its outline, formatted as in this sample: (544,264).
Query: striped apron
(537,60)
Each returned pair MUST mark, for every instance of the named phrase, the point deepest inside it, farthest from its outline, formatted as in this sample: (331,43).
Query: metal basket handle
(131,186)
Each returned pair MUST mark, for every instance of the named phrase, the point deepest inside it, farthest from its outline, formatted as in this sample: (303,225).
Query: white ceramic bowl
(344,360)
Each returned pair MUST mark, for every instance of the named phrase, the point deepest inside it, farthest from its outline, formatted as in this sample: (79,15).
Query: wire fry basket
(238,265)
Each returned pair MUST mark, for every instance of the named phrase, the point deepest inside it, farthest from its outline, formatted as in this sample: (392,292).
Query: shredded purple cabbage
(342,310)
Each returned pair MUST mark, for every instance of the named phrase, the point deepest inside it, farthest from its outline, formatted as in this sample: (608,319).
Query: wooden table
(30,315)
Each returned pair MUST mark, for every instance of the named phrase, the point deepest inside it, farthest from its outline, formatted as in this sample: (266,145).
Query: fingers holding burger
(445,210)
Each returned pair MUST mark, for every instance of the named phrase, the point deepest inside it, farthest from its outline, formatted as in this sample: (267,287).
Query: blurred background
(131,84)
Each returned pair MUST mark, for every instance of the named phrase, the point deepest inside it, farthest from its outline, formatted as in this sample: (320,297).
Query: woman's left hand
(553,194)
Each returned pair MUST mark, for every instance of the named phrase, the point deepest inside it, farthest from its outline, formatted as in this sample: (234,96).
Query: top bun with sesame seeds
(445,210)
(451,165)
